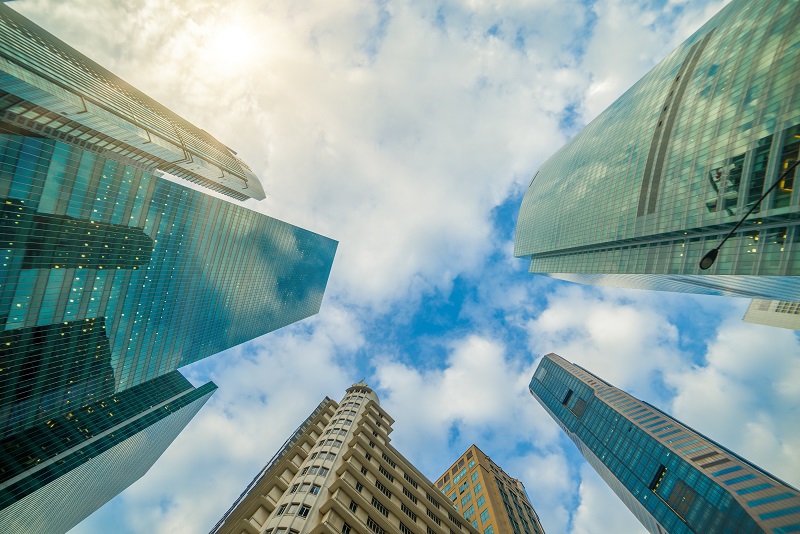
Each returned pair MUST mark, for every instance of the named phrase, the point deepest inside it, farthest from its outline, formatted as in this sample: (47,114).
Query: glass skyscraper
(674,479)
(660,177)
(59,471)
(114,274)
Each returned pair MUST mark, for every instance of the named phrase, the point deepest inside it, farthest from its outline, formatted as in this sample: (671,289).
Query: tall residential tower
(487,496)
(661,176)
(674,479)
(339,473)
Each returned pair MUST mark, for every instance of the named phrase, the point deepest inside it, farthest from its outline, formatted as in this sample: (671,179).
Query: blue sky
(408,132)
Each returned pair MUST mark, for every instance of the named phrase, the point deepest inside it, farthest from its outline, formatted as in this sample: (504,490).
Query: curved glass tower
(663,174)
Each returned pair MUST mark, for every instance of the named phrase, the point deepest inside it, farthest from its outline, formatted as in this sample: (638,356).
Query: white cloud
(620,335)
(600,509)
(744,393)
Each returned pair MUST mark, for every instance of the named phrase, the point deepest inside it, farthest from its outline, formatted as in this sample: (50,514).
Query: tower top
(362,387)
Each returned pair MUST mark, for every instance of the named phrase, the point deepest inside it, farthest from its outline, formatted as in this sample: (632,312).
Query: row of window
(315,470)
(305,487)
(338,431)
(322,455)
(295,508)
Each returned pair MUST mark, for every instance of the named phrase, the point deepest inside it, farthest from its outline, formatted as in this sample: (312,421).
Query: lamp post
(711,255)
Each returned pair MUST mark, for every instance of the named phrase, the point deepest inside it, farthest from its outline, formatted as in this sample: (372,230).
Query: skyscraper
(488,497)
(339,473)
(114,274)
(777,313)
(661,176)
(674,479)
(57,472)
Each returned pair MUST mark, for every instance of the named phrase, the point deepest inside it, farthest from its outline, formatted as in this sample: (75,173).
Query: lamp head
(708,259)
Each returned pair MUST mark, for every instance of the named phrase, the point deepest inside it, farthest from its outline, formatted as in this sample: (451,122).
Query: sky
(408,131)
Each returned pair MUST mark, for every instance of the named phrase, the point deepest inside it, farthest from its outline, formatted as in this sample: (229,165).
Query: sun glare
(231,46)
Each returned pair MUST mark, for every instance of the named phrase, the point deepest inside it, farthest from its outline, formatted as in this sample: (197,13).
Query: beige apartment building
(338,473)
(486,496)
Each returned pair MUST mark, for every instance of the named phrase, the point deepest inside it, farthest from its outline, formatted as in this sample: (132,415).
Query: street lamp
(711,255)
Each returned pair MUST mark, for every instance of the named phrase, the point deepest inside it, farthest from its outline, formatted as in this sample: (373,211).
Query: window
(386,473)
(409,495)
(484,516)
(440,484)
(371,445)
(431,499)
(293,508)
(410,480)
(478,488)
(337,443)
(466,499)
(346,529)
(368,456)
(433,516)
(447,488)
(304,487)
(463,487)
(314,469)
(489,530)
(281,509)
(681,498)
(359,487)
(469,512)
(567,397)
(313,455)
(406,510)
(314,489)
(294,488)
(475,476)
(480,501)
(353,506)
(380,507)
(363,470)
(323,471)
(404,529)
(388,460)
(475,524)
(383,489)
(374,527)
(579,408)
(461,463)
(304,471)
(304,509)
(471,464)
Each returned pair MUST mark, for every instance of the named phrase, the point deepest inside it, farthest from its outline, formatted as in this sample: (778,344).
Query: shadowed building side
(56,473)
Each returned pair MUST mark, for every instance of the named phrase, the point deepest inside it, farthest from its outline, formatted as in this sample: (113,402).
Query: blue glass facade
(171,274)
(673,479)
(661,176)
(113,274)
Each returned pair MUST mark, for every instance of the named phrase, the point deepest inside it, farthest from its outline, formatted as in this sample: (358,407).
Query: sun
(231,46)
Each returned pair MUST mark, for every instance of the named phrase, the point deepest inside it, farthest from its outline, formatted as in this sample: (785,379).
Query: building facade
(674,479)
(777,313)
(114,273)
(67,96)
(339,473)
(57,472)
(487,496)
(661,176)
